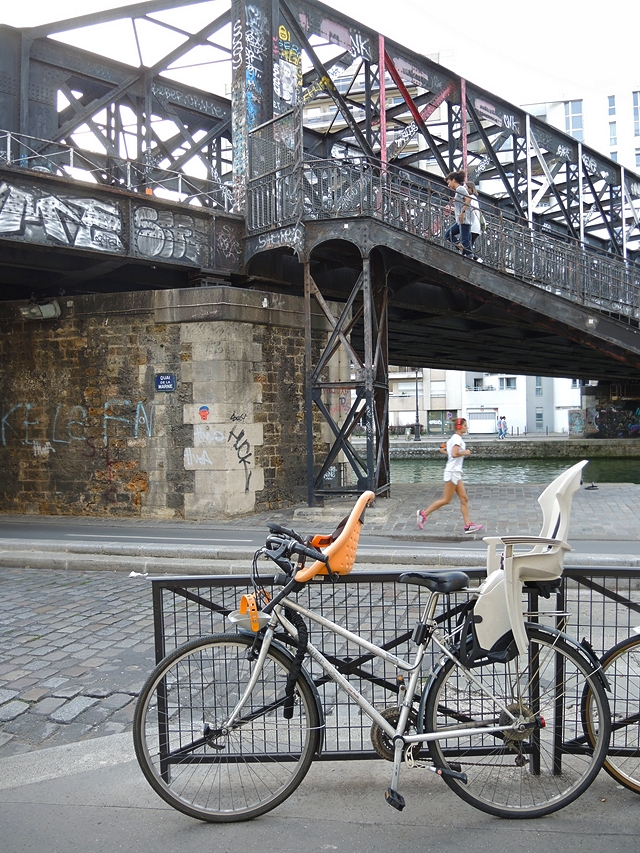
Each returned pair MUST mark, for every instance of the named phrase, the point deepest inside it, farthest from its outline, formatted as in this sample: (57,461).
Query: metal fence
(326,189)
(66,161)
(604,605)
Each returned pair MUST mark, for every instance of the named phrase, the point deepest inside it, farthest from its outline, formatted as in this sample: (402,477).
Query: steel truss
(374,96)
(365,103)
(137,127)
(367,387)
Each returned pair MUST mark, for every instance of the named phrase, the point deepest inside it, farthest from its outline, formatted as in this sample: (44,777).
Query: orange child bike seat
(342,549)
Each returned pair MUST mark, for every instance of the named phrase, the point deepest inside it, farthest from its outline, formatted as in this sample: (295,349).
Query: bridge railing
(326,189)
(54,158)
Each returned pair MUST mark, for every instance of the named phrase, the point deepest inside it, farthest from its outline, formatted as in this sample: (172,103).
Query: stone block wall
(83,429)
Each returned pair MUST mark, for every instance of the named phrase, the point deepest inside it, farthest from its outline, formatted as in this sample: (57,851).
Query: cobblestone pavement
(75,650)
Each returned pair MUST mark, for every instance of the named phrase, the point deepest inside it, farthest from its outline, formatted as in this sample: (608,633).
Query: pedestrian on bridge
(456,451)
(460,232)
(476,220)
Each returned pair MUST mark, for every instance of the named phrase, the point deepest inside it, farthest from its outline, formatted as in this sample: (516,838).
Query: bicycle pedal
(394,799)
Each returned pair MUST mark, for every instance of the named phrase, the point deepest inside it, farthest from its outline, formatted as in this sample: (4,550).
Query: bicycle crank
(382,743)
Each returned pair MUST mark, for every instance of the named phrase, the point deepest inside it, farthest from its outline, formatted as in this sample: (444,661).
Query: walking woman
(456,451)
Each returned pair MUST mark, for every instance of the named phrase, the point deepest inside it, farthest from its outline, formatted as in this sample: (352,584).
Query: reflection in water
(515,470)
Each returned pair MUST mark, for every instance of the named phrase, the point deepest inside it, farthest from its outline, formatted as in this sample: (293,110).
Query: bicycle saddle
(437,581)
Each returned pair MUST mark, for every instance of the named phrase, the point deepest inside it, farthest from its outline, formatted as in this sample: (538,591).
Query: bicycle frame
(414,668)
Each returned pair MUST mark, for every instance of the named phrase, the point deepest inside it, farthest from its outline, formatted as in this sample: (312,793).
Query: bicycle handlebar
(281,547)
(285,531)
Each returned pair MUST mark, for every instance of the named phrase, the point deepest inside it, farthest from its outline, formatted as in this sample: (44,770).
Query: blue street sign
(165,382)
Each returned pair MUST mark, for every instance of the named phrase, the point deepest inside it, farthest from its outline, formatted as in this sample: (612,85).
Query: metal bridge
(310,159)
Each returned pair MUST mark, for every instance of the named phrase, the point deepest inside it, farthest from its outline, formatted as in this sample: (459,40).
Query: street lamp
(416,436)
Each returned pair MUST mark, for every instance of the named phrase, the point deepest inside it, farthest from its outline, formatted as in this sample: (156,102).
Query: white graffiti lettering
(284,237)
(192,459)
(40,217)
(206,434)
(166,235)
(510,122)
(43,449)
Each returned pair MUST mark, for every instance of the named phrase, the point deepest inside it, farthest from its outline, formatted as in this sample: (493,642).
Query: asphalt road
(250,536)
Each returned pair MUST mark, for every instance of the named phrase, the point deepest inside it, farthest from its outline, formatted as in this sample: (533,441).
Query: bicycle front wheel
(203,767)
(621,666)
(549,761)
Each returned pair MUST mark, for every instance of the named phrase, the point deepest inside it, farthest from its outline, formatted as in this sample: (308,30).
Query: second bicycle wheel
(621,666)
(205,768)
(547,763)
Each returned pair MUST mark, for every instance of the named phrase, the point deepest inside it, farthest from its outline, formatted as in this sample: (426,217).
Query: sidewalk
(99,802)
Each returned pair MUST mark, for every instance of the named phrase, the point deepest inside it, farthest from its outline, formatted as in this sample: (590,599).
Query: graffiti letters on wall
(46,428)
(228,244)
(209,440)
(255,52)
(40,216)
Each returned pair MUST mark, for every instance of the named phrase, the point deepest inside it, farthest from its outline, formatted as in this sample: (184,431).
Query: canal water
(515,470)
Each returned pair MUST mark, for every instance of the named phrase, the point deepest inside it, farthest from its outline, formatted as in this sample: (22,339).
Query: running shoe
(421,518)
(473,527)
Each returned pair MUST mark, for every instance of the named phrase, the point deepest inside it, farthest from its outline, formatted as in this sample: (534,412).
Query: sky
(525,53)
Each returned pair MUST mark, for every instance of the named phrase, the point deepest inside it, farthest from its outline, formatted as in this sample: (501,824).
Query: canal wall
(524,448)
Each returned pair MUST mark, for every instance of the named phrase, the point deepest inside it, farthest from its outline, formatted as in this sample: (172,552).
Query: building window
(539,387)
(637,156)
(438,389)
(614,156)
(408,389)
(636,113)
(539,420)
(573,119)
(507,383)
(613,133)
(478,383)
(612,105)
(577,383)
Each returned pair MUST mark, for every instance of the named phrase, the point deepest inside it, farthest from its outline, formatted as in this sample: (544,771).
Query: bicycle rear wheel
(621,666)
(550,761)
(218,774)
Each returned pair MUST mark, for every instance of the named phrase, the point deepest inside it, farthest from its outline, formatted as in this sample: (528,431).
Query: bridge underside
(444,312)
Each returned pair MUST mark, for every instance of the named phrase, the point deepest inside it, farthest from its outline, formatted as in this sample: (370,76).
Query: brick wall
(84,431)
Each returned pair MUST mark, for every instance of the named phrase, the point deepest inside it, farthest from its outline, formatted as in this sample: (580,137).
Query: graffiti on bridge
(39,216)
(165,235)
(36,215)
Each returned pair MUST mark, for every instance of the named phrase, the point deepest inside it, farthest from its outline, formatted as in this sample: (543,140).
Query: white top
(476,227)
(454,463)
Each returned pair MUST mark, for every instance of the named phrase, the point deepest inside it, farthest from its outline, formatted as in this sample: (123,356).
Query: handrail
(336,189)
(21,151)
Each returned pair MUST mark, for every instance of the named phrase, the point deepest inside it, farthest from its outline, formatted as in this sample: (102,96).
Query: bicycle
(621,669)
(226,726)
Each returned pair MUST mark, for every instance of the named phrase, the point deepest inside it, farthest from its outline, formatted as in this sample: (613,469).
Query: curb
(189,559)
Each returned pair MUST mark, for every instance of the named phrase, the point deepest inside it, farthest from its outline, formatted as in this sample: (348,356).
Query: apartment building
(531,404)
